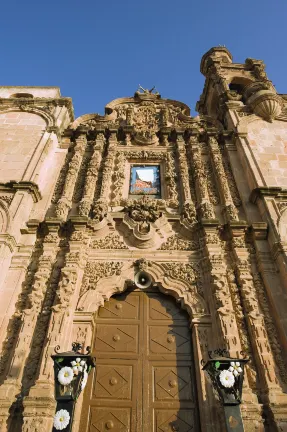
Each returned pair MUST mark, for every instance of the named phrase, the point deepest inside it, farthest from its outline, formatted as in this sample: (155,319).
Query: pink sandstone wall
(268,142)
(20,133)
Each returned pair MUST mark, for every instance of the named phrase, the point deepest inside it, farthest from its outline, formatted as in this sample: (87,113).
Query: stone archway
(186,294)
(144,379)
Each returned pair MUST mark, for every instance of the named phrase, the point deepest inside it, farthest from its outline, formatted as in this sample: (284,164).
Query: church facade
(199,204)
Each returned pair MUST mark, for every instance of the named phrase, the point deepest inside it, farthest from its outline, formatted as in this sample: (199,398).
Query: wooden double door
(144,379)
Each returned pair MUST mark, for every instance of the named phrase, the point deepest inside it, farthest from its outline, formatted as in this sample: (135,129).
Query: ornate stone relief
(175,242)
(111,241)
(144,224)
(282,206)
(94,271)
(6,198)
(188,273)
(242,327)
(172,199)
(230,210)
(231,182)
(211,184)
(118,179)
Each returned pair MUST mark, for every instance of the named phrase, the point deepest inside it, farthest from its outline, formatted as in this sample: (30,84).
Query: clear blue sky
(96,51)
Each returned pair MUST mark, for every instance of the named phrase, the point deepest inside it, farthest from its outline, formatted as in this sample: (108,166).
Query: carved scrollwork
(94,271)
(144,210)
(175,242)
(111,241)
(6,198)
(189,212)
(118,179)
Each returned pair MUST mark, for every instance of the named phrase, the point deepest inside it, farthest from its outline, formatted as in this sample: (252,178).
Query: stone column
(215,270)
(183,169)
(108,167)
(92,176)
(226,332)
(65,202)
(230,211)
(204,205)
(60,329)
(171,177)
(118,179)
(270,391)
(13,384)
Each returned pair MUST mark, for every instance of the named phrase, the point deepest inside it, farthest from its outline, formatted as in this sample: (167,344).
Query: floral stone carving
(144,224)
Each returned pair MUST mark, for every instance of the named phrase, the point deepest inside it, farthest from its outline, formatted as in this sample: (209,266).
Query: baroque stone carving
(211,183)
(118,179)
(189,212)
(176,243)
(216,157)
(7,198)
(99,210)
(144,210)
(111,241)
(94,271)
(145,122)
(185,272)
(231,182)
(242,327)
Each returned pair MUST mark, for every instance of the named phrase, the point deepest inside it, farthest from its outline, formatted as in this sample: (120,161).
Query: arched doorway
(144,379)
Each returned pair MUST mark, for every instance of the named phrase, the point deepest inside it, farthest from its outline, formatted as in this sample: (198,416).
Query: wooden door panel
(161,308)
(174,421)
(144,379)
(169,339)
(117,338)
(114,419)
(173,383)
(113,382)
(125,306)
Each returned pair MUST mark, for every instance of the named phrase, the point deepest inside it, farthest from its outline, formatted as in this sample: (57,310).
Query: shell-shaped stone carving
(266,104)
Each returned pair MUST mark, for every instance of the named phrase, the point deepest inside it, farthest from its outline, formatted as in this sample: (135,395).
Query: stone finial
(218,54)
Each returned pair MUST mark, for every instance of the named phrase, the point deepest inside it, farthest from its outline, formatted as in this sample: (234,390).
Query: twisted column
(205,207)
(230,210)
(92,176)
(65,202)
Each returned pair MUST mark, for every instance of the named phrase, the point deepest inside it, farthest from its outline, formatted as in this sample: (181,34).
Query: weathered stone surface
(72,234)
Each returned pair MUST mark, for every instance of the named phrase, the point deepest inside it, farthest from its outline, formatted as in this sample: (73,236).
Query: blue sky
(96,51)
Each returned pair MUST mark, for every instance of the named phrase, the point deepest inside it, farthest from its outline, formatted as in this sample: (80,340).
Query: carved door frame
(190,300)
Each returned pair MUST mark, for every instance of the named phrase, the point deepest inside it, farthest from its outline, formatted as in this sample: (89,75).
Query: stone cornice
(27,186)
(264,191)
(9,241)
(35,102)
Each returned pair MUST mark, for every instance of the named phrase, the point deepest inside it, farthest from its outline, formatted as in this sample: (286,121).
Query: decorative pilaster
(91,177)
(171,177)
(228,336)
(108,167)
(19,374)
(204,205)
(266,367)
(65,202)
(118,179)
(183,169)
(230,210)
(60,327)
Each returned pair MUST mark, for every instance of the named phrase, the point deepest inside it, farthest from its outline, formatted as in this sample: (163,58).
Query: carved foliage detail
(176,243)
(94,271)
(111,241)
(144,210)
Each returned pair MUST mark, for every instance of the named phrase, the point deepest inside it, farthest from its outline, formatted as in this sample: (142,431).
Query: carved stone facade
(73,234)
